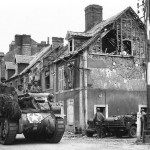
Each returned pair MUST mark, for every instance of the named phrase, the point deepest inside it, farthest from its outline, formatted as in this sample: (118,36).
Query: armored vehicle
(119,125)
(34,115)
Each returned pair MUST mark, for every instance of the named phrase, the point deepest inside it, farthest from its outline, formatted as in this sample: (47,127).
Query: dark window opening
(109,43)
(126,47)
(70,43)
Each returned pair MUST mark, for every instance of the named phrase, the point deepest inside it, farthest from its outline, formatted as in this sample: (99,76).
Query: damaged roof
(99,26)
(97,29)
(33,61)
(40,55)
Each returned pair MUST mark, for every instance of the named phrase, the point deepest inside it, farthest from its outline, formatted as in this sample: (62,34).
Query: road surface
(72,142)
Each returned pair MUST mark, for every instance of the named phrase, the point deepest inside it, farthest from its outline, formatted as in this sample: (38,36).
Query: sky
(49,18)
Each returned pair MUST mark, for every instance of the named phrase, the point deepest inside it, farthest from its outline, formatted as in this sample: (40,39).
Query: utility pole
(146,15)
(147,11)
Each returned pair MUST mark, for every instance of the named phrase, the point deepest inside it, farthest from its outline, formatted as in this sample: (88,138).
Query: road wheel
(8,131)
(58,133)
(28,135)
(118,134)
(132,132)
(89,134)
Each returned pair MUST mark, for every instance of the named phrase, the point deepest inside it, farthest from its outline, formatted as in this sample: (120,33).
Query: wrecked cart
(123,125)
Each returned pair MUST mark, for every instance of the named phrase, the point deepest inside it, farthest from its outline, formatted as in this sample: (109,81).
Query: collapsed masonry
(122,37)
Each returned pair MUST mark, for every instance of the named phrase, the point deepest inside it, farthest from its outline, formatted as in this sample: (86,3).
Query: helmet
(98,109)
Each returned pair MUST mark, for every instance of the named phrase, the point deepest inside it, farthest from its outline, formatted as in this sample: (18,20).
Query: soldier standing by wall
(98,119)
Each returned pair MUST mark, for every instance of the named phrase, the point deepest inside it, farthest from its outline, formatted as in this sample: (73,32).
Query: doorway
(143,107)
(104,109)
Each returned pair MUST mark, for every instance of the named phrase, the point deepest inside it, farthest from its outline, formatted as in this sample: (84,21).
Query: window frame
(61,82)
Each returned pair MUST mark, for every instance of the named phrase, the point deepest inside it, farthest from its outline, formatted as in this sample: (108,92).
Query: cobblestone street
(77,142)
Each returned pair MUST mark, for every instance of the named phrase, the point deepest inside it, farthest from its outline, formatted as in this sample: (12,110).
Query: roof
(36,58)
(23,59)
(9,65)
(73,34)
(99,26)
(110,20)
(94,32)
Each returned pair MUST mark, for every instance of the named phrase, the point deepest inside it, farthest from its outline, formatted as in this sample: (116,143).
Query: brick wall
(93,14)
(26,50)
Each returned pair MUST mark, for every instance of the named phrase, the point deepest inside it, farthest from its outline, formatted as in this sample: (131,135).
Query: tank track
(11,129)
(59,131)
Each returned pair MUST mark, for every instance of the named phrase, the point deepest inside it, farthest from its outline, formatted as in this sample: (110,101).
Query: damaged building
(104,67)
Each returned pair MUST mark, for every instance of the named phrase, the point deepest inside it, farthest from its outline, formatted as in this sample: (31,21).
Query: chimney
(93,15)
(18,40)
(56,41)
(26,44)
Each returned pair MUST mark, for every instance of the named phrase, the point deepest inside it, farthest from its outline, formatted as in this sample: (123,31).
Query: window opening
(70,43)
(47,80)
(109,43)
(126,47)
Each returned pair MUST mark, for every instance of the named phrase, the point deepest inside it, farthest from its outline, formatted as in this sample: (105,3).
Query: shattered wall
(96,47)
(126,36)
(116,81)
(121,73)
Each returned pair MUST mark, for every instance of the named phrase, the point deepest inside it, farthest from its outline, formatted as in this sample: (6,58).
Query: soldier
(3,80)
(28,89)
(98,119)
(2,89)
(35,88)
(20,90)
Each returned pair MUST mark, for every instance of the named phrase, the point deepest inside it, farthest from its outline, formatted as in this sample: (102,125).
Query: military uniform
(98,119)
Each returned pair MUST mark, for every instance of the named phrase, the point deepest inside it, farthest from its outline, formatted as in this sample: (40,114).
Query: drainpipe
(85,86)
(81,95)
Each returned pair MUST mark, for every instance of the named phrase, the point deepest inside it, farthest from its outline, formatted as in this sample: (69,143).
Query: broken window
(126,47)
(109,43)
(70,45)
